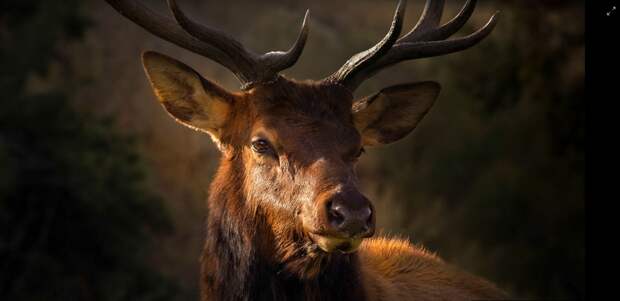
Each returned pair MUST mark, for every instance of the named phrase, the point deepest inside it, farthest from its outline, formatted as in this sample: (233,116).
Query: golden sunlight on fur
(394,269)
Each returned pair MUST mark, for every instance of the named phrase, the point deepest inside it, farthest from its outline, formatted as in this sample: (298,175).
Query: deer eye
(261,146)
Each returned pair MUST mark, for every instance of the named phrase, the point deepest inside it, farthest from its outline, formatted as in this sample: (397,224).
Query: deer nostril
(336,214)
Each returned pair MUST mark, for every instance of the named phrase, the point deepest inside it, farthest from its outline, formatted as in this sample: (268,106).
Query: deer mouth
(330,244)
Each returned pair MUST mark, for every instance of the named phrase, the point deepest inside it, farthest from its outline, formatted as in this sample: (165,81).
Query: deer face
(298,143)
(300,161)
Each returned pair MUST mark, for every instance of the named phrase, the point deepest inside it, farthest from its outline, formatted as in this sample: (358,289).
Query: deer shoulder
(395,269)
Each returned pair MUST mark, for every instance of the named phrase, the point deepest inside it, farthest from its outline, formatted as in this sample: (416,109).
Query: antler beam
(426,39)
(212,43)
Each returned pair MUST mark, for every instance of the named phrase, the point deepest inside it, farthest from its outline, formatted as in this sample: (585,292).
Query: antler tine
(431,16)
(279,60)
(169,30)
(214,37)
(450,28)
(433,33)
(269,64)
(426,39)
(413,50)
(249,67)
(365,58)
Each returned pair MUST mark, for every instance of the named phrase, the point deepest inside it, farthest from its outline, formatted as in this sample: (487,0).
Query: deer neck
(239,260)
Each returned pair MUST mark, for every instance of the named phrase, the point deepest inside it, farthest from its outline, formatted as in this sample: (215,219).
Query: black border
(602,151)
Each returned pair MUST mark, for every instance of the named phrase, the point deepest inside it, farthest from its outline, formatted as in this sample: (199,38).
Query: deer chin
(330,244)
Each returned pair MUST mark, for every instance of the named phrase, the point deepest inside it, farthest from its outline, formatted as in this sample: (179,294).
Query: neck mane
(239,260)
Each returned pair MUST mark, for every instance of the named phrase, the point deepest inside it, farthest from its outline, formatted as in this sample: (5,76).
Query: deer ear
(189,98)
(394,112)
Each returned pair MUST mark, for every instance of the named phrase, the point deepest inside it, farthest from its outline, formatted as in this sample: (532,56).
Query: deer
(286,219)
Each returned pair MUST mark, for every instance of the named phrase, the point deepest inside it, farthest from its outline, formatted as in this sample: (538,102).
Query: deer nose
(350,215)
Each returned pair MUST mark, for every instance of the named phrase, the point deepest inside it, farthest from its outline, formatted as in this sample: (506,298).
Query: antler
(426,39)
(212,43)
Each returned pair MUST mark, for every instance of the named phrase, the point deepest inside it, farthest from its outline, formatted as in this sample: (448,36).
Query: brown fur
(265,208)
(394,269)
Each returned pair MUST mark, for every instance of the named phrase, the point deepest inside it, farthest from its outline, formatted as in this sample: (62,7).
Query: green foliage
(498,166)
(76,217)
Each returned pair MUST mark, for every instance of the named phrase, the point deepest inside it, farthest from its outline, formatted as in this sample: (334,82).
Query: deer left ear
(188,97)
(394,112)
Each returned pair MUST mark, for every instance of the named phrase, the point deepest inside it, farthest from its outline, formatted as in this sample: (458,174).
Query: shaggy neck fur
(242,261)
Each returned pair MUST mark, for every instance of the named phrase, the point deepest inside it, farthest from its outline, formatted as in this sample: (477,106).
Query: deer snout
(349,214)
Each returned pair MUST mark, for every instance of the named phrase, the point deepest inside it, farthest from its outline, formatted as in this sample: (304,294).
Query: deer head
(294,144)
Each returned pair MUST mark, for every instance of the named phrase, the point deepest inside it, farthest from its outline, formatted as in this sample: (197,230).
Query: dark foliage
(75,215)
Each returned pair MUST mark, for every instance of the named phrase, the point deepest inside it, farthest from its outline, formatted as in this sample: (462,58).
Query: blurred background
(102,195)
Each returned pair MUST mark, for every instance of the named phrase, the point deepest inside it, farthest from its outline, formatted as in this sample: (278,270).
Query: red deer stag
(286,218)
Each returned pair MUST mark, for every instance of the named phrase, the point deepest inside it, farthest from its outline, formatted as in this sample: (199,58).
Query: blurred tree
(75,216)
(498,171)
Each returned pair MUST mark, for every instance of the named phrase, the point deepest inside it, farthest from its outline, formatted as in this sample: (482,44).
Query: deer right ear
(394,112)
(189,98)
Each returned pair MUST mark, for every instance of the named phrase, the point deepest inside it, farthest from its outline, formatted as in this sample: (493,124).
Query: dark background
(102,194)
